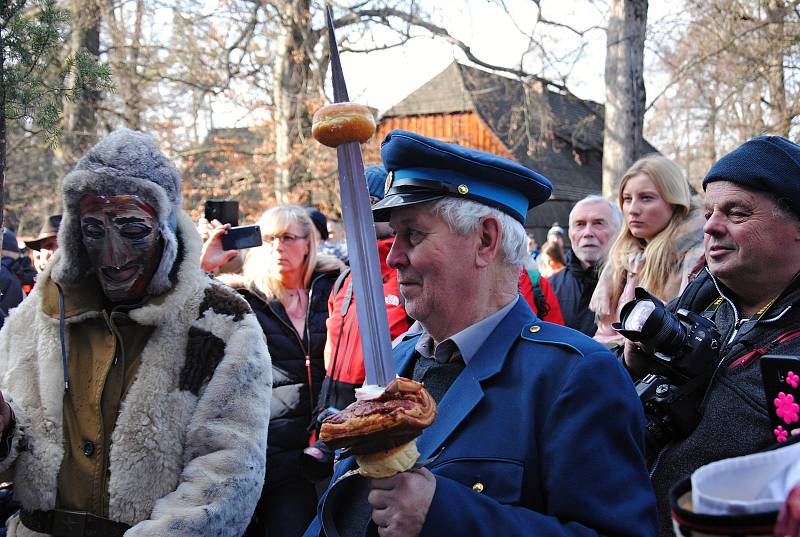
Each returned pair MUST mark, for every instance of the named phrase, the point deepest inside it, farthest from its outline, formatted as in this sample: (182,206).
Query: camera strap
(746,324)
(712,308)
(750,357)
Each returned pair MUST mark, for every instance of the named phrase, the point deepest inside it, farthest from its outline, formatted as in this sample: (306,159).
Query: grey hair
(463,216)
(616,215)
(782,208)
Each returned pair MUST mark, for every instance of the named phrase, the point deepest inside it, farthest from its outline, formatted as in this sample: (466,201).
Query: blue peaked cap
(422,169)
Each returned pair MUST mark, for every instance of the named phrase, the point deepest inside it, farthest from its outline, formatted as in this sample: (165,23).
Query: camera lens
(645,319)
(638,315)
(663,332)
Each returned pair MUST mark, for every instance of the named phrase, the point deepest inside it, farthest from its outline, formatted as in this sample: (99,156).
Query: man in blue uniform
(539,430)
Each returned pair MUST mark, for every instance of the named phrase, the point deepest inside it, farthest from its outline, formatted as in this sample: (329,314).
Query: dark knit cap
(376,180)
(765,163)
(320,221)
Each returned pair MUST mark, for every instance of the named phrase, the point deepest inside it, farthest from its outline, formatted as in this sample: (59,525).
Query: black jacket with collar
(292,399)
(735,418)
(574,287)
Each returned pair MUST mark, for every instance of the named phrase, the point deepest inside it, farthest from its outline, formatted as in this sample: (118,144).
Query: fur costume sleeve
(225,449)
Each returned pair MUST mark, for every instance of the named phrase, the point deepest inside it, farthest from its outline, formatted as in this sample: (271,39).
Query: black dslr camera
(685,347)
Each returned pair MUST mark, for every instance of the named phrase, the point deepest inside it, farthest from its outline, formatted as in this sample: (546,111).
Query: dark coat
(735,417)
(22,268)
(292,400)
(10,293)
(574,287)
(548,422)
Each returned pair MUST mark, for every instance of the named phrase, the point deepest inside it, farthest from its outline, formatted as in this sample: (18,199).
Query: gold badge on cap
(463,189)
(388,185)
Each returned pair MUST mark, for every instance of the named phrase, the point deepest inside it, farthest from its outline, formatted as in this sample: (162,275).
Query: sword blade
(362,246)
(337,74)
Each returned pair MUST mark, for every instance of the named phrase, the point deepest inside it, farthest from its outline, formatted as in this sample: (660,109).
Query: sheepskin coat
(187,453)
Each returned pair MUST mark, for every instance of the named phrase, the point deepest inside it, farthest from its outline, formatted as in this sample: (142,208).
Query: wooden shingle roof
(443,94)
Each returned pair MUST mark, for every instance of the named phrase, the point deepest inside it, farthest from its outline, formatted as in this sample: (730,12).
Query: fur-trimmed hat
(125,162)
(766,163)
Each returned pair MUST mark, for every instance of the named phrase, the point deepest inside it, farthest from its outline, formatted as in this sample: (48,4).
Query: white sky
(382,79)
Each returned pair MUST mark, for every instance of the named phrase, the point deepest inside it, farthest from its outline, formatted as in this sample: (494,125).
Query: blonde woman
(287,283)
(659,244)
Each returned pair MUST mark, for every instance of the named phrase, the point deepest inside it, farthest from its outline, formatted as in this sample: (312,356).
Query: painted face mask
(121,237)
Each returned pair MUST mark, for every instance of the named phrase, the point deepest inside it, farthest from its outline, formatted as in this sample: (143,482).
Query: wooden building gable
(546,130)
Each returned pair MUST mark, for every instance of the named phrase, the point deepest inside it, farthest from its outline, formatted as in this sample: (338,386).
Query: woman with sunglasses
(287,283)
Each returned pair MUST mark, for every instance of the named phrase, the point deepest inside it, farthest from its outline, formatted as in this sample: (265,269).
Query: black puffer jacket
(735,420)
(292,401)
(574,287)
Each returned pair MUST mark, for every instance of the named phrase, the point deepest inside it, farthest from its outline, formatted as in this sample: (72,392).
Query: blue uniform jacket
(541,434)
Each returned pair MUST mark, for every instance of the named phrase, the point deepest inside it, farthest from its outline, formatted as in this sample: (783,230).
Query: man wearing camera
(749,289)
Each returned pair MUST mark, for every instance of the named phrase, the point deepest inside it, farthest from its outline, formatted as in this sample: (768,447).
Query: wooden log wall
(465,128)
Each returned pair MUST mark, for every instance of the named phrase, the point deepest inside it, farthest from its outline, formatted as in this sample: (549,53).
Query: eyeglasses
(286,238)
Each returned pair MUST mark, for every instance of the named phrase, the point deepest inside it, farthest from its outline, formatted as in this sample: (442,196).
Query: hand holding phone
(237,238)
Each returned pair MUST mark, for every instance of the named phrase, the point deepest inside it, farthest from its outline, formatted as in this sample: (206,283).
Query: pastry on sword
(381,431)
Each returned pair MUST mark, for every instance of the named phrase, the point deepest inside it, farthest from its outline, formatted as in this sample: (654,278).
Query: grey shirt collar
(464,344)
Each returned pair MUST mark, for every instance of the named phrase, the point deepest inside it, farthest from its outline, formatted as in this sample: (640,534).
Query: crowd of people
(155,383)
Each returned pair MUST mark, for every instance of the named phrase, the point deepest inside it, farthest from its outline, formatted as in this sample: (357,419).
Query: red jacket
(344,359)
(526,289)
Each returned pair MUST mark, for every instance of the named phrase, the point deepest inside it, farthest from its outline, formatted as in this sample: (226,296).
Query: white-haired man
(593,223)
(520,419)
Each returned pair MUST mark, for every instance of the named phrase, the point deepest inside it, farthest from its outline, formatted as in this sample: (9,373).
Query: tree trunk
(135,101)
(3,134)
(3,144)
(292,73)
(625,93)
(282,111)
(127,58)
(779,114)
(80,117)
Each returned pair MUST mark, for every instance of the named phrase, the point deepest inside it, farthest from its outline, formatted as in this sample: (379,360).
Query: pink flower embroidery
(786,408)
(792,379)
(781,434)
